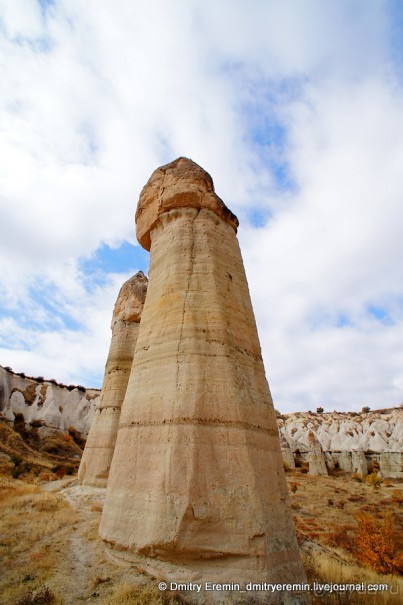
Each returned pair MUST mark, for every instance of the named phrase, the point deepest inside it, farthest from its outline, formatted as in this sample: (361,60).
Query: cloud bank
(295,109)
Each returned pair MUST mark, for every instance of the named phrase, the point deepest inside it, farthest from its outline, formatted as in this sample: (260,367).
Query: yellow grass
(147,594)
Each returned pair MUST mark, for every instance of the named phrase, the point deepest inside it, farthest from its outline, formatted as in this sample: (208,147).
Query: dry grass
(30,519)
(324,505)
(47,544)
(146,594)
(35,458)
(326,512)
(336,568)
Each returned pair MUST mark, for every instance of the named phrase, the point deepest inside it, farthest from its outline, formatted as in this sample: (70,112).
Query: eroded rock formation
(286,452)
(317,463)
(359,463)
(97,456)
(197,487)
(391,464)
(58,407)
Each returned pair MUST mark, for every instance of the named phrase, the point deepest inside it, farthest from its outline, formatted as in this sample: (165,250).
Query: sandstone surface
(391,464)
(359,463)
(97,456)
(350,440)
(286,452)
(317,463)
(196,487)
(47,402)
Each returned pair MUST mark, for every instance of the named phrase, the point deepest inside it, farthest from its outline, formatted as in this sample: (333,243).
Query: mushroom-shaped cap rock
(180,184)
(130,301)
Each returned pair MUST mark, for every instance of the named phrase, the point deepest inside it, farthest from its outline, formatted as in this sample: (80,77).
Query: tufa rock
(391,464)
(197,487)
(54,405)
(345,461)
(317,463)
(359,463)
(97,456)
(286,452)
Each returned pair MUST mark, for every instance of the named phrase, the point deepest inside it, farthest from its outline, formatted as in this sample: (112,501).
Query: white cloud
(97,95)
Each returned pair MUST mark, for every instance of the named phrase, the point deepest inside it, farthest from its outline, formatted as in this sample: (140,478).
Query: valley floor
(51,552)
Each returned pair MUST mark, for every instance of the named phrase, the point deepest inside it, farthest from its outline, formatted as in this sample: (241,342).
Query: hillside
(52,418)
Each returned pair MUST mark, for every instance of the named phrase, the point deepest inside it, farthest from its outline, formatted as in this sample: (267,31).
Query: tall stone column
(197,488)
(98,452)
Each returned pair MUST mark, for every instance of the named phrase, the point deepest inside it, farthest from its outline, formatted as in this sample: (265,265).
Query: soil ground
(49,542)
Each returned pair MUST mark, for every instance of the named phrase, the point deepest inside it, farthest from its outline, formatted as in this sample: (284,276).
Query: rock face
(391,464)
(56,406)
(286,452)
(97,456)
(317,463)
(351,440)
(375,431)
(359,463)
(197,487)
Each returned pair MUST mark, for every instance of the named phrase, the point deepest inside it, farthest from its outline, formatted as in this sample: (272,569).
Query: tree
(377,543)
(365,409)
(320,410)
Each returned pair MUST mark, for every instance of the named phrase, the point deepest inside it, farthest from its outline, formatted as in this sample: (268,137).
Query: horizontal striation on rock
(98,452)
(197,471)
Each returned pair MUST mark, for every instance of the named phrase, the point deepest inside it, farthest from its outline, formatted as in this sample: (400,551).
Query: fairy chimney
(98,452)
(197,488)
(316,458)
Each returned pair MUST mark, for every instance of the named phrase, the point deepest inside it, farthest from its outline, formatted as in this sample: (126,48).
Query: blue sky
(295,109)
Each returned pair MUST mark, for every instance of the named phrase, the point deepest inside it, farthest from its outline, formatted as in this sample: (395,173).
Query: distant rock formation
(391,464)
(47,402)
(97,456)
(286,452)
(72,406)
(196,487)
(345,461)
(350,441)
(316,459)
(359,463)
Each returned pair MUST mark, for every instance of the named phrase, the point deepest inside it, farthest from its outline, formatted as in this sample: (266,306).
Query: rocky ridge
(348,439)
(55,406)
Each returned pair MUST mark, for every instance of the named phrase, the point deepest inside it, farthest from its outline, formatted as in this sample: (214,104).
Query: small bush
(293,487)
(319,410)
(365,409)
(340,538)
(374,480)
(357,477)
(286,466)
(43,596)
(77,437)
(397,497)
(378,543)
(60,472)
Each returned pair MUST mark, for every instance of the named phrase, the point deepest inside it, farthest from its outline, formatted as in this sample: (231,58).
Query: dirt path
(85,573)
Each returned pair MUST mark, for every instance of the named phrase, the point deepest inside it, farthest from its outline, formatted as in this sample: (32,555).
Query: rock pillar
(359,463)
(197,488)
(286,452)
(316,458)
(98,452)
